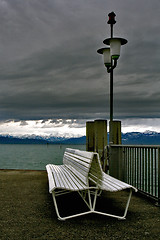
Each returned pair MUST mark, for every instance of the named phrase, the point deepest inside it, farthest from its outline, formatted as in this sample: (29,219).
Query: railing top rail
(134,146)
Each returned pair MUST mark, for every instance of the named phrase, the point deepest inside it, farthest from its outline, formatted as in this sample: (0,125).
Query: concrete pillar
(115,132)
(115,160)
(116,167)
(100,145)
(90,136)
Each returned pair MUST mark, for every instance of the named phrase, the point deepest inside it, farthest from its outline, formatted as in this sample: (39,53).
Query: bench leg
(125,211)
(91,205)
(68,217)
(83,196)
(128,202)
(56,207)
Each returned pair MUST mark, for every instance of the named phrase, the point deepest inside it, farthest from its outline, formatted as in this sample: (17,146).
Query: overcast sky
(50,70)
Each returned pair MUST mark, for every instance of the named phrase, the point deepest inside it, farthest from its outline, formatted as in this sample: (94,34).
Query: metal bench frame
(91,180)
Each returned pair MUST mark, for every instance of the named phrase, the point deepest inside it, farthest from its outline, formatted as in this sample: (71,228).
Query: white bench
(82,172)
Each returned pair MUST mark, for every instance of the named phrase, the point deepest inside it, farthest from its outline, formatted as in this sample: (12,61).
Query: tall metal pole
(111,21)
(111,24)
(111,83)
(111,95)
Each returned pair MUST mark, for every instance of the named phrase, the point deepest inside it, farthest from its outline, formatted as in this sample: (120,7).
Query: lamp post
(110,56)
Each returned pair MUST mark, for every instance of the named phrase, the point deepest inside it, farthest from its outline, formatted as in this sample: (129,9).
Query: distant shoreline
(137,138)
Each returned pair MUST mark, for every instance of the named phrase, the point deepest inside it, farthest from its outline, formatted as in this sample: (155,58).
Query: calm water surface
(34,157)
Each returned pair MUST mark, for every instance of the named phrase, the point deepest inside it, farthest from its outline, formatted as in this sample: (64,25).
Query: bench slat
(80,153)
(71,181)
(64,181)
(75,160)
(79,184)
(56,176)
(108,183)
(64,178)
(81,159)
(71,161)
(83,178)
(50,178)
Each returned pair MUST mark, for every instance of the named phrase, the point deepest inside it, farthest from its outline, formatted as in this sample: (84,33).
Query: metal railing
(140,167)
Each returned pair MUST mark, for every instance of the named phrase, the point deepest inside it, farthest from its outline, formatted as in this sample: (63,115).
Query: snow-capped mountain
(146,138)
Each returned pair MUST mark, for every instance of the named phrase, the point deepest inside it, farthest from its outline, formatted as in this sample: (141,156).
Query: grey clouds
(49,67)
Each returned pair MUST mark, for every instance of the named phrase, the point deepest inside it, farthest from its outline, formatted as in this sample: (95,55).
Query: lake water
(33,157)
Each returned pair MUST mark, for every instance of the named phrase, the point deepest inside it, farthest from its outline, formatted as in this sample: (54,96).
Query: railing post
(158,176)
(137,165)
(115,157)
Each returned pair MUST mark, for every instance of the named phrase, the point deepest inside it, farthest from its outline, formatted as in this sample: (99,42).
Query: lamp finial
(111,16)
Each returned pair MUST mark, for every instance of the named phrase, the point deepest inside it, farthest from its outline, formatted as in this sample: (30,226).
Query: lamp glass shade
(107,57)
(115,45)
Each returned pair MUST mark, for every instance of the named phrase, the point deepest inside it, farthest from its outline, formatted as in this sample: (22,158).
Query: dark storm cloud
(49,67)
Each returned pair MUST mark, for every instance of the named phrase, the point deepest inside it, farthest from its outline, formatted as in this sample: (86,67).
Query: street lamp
(106,56)
(110,57)
(115,46)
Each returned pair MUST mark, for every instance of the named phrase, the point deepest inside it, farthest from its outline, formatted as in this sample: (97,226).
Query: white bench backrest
(95,172)
(85,165)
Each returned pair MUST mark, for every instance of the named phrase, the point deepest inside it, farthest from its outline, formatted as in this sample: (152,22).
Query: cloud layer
(49,67)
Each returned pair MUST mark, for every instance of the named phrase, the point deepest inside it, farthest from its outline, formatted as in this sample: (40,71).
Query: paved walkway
(27,212)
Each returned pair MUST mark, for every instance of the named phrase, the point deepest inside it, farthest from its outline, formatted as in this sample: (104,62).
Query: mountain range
(146,138)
